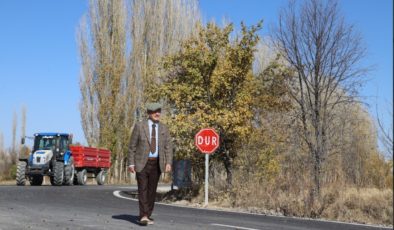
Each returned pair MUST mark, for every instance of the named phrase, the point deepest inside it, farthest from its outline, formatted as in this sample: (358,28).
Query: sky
(39,64)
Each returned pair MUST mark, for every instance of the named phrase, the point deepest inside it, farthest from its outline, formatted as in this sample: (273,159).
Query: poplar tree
(119,45)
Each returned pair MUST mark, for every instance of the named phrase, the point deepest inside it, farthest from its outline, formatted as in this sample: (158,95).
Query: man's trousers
(147,180)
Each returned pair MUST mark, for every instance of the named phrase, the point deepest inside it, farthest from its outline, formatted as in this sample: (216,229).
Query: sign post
(207,141)
(206,177)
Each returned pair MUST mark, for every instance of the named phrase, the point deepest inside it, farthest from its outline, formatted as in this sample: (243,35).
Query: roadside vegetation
(9,156)
(344,203)
(295,137)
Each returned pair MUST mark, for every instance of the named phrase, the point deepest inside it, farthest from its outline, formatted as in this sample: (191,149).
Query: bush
(12,172)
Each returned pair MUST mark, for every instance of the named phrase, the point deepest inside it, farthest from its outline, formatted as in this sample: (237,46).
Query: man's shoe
(144,220)
(150,222)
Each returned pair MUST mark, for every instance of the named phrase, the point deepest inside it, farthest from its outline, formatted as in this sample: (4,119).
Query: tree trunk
(121,169)
(229,169)
(317,173)
(115,176)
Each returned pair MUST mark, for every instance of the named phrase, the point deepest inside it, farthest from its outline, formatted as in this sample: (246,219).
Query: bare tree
(385,130)
(157,28)
(265,54)
(24,150)
(14,149)
(326,54)
(2,154)
(1,143)
(356,140)
(23,127)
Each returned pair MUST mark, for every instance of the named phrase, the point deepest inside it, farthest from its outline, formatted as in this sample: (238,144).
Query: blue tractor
(50,156)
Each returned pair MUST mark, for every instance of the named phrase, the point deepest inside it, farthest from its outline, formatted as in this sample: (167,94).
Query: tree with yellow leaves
(210,83)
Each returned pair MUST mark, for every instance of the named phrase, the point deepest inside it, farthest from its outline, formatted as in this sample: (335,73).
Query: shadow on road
(130,218)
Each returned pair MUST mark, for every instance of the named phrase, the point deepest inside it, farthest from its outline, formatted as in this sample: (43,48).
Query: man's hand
(168,168)
(131,169)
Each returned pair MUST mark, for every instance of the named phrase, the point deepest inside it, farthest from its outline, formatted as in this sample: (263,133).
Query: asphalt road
(98,207)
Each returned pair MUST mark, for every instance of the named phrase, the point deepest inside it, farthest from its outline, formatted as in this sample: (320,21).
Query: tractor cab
(57,143)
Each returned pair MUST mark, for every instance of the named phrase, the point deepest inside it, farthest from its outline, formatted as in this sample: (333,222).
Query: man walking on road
(149,154)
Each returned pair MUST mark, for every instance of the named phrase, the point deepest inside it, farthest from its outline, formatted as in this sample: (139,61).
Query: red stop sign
(207,140)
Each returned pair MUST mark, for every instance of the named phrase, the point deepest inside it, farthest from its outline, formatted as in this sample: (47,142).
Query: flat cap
(154,106)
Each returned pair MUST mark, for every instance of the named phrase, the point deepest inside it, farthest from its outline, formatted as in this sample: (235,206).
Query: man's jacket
(139,147)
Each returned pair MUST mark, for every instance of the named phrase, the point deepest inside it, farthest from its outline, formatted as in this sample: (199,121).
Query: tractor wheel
(36,180)
(21,173)
(82,177)
(58,174)
(101,178)
(69,171)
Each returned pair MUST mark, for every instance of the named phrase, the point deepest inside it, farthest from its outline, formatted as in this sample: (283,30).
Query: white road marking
(237,227)
(117,194)
(159,188)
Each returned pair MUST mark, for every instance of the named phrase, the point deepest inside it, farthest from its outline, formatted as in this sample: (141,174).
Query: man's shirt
(155,154)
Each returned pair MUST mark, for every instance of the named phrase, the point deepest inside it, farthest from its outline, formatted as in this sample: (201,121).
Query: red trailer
(90,160)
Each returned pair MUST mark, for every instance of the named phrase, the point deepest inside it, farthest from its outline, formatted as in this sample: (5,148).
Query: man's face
(154,115)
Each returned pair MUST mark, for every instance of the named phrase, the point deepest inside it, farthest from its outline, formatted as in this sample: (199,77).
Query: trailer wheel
(101,177)
(58,174)
(21,173)
(36,180)
(82,177)
(69,171)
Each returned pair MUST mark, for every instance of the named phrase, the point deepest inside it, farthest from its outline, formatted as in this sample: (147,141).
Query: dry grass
(120,182)
(8,182)
(366,205)
(90,181)
(343,203)
(13,182)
